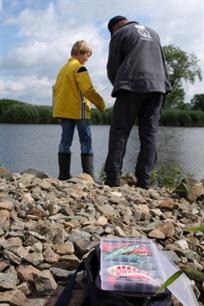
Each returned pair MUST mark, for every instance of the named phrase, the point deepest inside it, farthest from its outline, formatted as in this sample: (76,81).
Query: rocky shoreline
(47,226)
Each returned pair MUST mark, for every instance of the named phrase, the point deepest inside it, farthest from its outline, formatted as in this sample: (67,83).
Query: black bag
(94,296)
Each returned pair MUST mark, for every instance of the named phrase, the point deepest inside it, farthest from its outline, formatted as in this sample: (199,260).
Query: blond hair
(80,47)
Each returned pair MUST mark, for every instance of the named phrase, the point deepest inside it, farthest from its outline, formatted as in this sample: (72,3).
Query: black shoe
(112,182)
(143,186)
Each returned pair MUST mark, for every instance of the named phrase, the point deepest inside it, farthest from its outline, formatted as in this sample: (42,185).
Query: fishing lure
(141,251)
(131,249)
(122,250)
(126,272)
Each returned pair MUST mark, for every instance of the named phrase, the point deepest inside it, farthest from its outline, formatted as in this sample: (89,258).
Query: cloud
(46,33)
(38,88)
(46,48)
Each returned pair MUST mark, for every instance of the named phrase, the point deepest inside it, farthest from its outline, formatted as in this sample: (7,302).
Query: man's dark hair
(115,20)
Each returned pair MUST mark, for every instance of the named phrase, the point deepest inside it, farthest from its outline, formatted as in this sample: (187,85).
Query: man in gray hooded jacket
(137,70)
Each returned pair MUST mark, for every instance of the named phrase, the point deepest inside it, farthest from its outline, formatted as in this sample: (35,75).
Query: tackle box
(130,264)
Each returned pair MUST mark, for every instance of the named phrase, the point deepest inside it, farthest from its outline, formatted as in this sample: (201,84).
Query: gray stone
(79,235)
(60,274)
(6,174)
(36,173)
(53,224)
(35,302)
(44,282)
(6,205)
(13,297)
(8,279)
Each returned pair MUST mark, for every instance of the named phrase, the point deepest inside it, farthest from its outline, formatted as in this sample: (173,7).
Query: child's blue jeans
(84,131)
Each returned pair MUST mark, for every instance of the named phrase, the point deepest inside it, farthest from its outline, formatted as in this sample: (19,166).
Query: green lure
(122,250)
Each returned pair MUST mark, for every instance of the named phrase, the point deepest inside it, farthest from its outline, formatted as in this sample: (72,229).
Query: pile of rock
(47,226)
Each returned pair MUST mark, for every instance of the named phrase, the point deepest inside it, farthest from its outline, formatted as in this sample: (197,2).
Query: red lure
(142,250)
(127,272)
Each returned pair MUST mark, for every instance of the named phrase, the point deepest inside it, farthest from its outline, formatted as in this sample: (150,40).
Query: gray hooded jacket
(136,61)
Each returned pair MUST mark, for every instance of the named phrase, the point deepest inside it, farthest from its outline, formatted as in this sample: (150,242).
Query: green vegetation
(167,175)
(12,111)
(102,176)
(101,118)
(198,102)
(182,68)
(185,118)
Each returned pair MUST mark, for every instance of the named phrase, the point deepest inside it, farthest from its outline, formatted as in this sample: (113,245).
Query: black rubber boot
(87,163)
(64,160)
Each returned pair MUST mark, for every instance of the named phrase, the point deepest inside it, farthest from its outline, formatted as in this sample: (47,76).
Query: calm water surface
(36,146)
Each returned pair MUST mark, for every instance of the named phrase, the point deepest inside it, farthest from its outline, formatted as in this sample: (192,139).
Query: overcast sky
(37,35)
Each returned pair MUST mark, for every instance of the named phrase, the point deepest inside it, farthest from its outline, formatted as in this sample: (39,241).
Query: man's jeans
(129,105)
(84,131)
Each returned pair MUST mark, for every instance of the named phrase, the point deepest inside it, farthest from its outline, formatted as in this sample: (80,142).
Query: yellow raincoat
(73,92)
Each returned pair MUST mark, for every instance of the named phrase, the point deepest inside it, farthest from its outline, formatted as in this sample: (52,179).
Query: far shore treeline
(12,111)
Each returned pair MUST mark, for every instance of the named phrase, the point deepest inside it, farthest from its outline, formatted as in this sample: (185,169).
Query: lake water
(35,146)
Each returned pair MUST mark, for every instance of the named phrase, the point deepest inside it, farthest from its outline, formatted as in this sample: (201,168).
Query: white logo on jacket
(143,32)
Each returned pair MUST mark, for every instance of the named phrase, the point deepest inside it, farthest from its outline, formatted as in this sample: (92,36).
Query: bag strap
(66,294)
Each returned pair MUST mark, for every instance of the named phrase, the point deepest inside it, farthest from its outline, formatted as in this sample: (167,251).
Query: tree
(198,102)
(182,67)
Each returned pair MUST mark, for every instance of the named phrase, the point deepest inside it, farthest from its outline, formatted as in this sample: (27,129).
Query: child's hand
(101,108)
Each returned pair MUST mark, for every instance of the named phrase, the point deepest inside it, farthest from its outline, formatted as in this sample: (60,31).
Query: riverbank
(16,112)
(47,226)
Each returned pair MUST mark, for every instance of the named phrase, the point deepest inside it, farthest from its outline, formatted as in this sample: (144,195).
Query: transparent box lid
(129,264)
